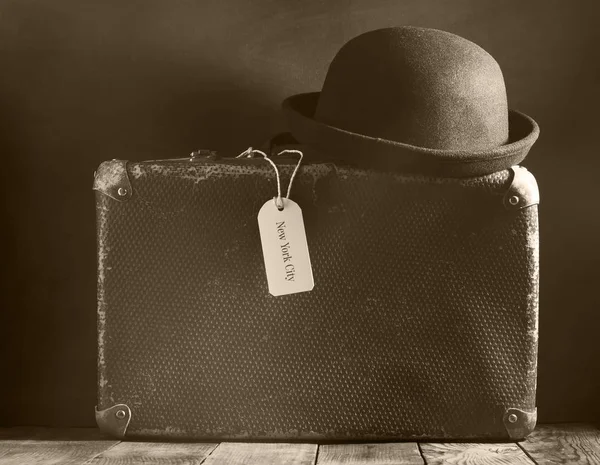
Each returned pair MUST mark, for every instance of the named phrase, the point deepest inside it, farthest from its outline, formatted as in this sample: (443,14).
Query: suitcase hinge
(114,420)
(111,179)
(519,423)
(523,191)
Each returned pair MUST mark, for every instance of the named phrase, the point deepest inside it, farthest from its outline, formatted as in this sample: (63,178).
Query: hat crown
(422,87)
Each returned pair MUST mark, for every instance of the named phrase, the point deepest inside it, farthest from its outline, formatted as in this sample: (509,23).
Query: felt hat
(413,100)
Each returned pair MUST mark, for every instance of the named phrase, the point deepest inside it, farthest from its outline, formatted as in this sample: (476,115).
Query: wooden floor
(549,444)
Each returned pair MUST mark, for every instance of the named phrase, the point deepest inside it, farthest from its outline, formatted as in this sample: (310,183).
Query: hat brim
(371,152)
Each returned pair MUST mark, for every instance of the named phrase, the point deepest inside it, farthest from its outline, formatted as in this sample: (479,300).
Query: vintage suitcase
(422,322)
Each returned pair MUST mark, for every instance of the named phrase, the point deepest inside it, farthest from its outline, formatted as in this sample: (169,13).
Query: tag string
(249,152)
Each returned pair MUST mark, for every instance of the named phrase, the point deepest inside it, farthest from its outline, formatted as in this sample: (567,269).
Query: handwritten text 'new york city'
(290,271)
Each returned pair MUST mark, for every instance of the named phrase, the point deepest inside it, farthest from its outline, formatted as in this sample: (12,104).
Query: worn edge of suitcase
(112,179)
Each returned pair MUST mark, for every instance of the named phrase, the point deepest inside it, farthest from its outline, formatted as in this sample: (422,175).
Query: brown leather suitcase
(422,323)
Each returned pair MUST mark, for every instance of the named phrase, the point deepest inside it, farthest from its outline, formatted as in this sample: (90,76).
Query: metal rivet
(512,418)
(120,414)
(122,191)
(513,200)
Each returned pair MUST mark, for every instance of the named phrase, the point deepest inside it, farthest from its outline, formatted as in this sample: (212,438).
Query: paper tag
(285,249)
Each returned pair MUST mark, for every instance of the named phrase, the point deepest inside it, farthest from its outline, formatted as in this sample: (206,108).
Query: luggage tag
(283,238)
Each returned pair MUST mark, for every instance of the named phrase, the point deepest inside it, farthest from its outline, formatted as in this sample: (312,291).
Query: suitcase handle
(280,141)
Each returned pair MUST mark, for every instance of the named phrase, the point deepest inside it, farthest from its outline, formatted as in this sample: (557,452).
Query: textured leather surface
(422,322)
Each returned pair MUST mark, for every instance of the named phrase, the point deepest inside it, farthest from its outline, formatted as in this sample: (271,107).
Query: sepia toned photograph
(310,233)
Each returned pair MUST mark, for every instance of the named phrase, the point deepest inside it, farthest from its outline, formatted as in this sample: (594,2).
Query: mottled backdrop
(82,81)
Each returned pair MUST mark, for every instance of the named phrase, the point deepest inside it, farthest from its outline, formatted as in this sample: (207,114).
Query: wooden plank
(480,454)
(128,453)
(235,453)
(569,443)
(402,453)
(48,446)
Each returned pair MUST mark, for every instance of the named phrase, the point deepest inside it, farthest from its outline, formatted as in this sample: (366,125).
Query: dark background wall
(82,81)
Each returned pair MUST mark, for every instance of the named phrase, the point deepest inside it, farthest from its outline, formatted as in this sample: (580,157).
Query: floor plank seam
(526,453)
(421,452)
(91,459)
(317,454)
(211,452)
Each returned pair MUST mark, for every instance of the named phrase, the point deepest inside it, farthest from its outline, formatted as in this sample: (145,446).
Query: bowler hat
(413,100)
